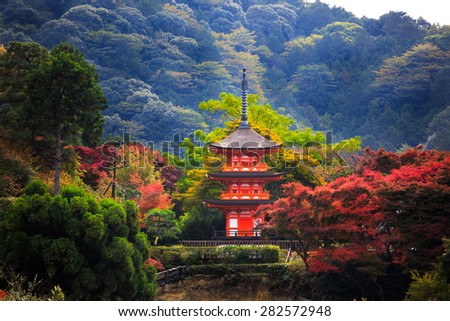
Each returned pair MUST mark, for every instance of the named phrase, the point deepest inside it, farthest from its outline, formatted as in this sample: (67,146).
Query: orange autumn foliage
(153,196)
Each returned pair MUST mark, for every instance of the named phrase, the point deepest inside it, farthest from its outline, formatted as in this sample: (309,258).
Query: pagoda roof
(237,203)
(245,174)
(245,138)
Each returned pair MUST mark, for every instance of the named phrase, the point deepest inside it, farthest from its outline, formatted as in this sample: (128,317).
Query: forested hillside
(384,79)
(85,215)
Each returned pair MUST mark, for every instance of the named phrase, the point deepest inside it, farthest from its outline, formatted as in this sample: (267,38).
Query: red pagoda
(244,174)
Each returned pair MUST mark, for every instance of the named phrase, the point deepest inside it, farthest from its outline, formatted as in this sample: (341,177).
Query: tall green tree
(64,102)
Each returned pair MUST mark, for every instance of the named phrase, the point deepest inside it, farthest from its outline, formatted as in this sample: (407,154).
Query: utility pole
(125,142)
(113,188)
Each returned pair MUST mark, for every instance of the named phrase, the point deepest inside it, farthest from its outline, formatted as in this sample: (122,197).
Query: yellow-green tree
(433,285)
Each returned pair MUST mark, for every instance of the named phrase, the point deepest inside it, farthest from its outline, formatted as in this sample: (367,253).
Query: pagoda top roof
(245,138)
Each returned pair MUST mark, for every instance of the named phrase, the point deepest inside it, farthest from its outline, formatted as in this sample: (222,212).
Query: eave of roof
(237,203)
(245,138)
(246,174)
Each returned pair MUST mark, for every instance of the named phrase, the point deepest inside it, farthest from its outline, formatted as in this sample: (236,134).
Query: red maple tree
(3,295)
(152,196)
(93,164)
(394,208)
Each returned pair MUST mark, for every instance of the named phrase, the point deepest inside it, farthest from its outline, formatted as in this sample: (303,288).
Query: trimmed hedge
(219,270)
(169,256)
(172,256)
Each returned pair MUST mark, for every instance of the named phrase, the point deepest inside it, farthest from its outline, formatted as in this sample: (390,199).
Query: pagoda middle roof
(246,174)
(245,137)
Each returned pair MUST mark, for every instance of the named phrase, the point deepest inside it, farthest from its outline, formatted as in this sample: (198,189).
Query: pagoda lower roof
(245,174)
(237,203)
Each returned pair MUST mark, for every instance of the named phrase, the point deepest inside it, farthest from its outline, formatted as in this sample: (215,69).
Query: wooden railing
(283,244)
(260,196)
(261,167)
(253,233)
(172,276)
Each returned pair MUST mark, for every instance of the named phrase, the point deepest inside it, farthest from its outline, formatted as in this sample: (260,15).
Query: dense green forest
(382,79)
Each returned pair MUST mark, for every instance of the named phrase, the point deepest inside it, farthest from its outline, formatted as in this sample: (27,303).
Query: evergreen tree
(64,102)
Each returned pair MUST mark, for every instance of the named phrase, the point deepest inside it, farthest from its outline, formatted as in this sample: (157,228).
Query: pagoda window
(234,191)
(233,222)
(235,163)
(256,191)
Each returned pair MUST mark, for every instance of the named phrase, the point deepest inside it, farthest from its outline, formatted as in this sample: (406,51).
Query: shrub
(88,248)
(172,259)
(36,187)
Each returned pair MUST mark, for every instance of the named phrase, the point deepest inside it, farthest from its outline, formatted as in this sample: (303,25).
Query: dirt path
(203,288)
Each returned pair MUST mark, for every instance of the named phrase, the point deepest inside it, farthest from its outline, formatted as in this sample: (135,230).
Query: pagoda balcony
(230,233)
(261,196)
(261,167)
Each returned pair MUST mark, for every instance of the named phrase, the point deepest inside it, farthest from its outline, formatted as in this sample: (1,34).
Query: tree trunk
(58,130)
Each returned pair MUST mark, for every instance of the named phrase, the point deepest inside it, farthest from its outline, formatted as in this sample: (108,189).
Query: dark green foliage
(66,86)
(318,15)
(439,130)
(225,18)
(274,24)
(198,223)
(18,13)
(92,249)
(162,224)
(54,32)
(400,31)
(36,187)
(19,60)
